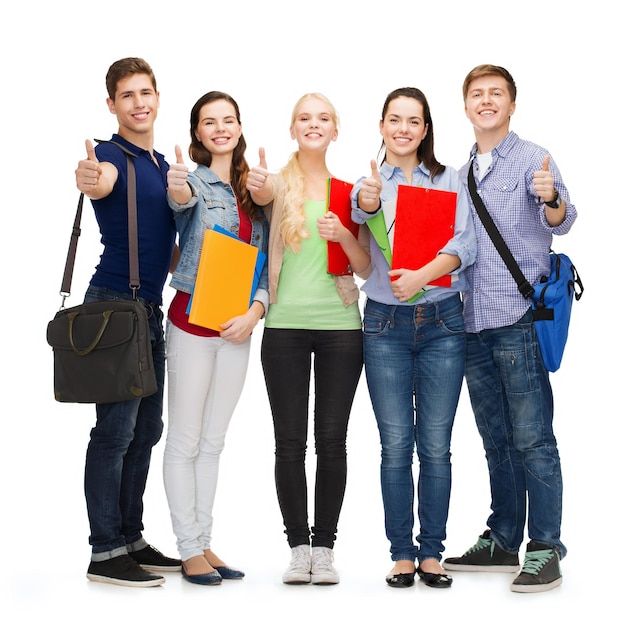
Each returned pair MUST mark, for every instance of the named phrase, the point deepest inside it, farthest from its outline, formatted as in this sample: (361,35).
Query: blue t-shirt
(155,224)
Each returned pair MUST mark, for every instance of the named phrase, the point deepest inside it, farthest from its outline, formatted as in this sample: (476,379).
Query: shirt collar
(502,149)
(387,170)
(209,176)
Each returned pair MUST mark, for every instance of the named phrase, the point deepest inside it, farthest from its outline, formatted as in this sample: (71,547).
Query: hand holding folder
(424,224)
(338,201)
(226,276)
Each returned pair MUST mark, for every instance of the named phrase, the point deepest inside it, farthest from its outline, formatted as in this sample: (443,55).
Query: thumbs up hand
(258,174)
(369,194)
(543,181)
(177,173)
(88,171)
(259,182)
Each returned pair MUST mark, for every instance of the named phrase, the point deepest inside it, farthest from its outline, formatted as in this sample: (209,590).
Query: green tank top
(306,296)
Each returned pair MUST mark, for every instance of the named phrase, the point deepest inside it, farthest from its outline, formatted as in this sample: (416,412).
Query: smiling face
(218,128)
(403,128)
(135,105)
(488,106)
(314,124)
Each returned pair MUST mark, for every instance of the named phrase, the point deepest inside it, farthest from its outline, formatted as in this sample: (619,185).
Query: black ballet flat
(437,581)
(400,580)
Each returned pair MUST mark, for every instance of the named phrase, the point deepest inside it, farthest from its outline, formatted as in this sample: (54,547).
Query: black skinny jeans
(338,360)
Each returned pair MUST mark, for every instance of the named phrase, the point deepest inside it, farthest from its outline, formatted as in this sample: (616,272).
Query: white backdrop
(567,63)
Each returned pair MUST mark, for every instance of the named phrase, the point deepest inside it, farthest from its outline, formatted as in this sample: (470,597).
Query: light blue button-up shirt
(463,243)
(507,190)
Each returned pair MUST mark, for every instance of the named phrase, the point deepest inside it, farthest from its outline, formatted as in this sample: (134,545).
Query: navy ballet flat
(210,578)
(228,573)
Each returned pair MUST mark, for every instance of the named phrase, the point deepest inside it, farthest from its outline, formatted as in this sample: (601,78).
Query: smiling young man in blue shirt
(120,446)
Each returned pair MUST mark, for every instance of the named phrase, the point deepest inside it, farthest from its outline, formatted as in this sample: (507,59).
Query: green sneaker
(541,571)
(484,556)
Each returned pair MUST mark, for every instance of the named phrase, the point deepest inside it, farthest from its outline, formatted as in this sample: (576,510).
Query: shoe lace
(300,559)
(534,561)
(481,544)
(322,559)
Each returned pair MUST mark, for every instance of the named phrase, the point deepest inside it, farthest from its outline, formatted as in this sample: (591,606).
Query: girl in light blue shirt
(414,340)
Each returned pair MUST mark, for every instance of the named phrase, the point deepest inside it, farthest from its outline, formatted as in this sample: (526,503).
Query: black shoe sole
(155,582)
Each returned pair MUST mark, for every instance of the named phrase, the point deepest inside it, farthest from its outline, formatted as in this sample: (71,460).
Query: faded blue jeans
(119,451)
(511,396)
(414,358)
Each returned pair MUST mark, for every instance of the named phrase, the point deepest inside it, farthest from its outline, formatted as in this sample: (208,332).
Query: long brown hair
(239,167)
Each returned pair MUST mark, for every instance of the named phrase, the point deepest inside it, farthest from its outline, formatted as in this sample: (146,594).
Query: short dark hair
(490,70)
(124,68)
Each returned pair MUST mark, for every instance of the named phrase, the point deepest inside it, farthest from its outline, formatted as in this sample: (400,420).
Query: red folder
(339,203)
(424,225)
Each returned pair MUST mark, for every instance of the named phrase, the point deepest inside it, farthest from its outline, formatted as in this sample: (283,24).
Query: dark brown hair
(127,67)
(239,168)
(426,149)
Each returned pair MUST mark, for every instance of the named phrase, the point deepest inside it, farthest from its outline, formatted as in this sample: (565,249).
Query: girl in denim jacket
(206,368)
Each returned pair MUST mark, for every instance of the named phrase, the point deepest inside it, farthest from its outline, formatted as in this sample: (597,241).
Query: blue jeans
(511,396)
(119,450)
(338,361)
(414,358)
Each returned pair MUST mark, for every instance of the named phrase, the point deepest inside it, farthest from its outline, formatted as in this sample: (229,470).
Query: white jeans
(205,380)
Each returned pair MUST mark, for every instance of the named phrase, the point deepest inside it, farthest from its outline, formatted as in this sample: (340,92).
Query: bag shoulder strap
(525,288)
(133,252)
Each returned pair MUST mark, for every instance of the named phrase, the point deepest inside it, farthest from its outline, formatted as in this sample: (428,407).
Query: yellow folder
(224,280)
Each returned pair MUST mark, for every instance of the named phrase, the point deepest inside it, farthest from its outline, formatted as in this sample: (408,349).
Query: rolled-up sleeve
(463,244)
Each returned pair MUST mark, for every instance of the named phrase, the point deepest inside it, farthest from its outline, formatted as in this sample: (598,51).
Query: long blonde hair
(292,223)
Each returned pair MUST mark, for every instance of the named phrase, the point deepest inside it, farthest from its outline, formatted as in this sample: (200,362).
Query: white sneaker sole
(505,569)
(126,583)
(297,579)
(324,579)
(537,588)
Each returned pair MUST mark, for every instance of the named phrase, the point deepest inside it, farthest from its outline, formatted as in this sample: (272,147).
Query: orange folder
(424,224)
(338,201)
(224,280)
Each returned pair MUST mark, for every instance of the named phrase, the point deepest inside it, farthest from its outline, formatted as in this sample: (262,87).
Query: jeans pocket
(454,323)
(374,326)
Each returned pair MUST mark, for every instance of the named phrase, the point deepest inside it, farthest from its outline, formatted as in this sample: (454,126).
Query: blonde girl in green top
(311,312)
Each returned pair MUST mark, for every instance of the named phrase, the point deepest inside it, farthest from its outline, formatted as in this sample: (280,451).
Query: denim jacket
(213,202)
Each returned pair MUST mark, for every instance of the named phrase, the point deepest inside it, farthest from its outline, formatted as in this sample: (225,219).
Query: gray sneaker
(299,570)
(484,556)
(322,569)
(541,570)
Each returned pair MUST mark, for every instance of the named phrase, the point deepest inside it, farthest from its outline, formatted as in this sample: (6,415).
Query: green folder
(378,228)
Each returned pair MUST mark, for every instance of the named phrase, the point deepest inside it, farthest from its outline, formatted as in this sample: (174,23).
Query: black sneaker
(122,570)
(541,571)
(150,558)
(484,556)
